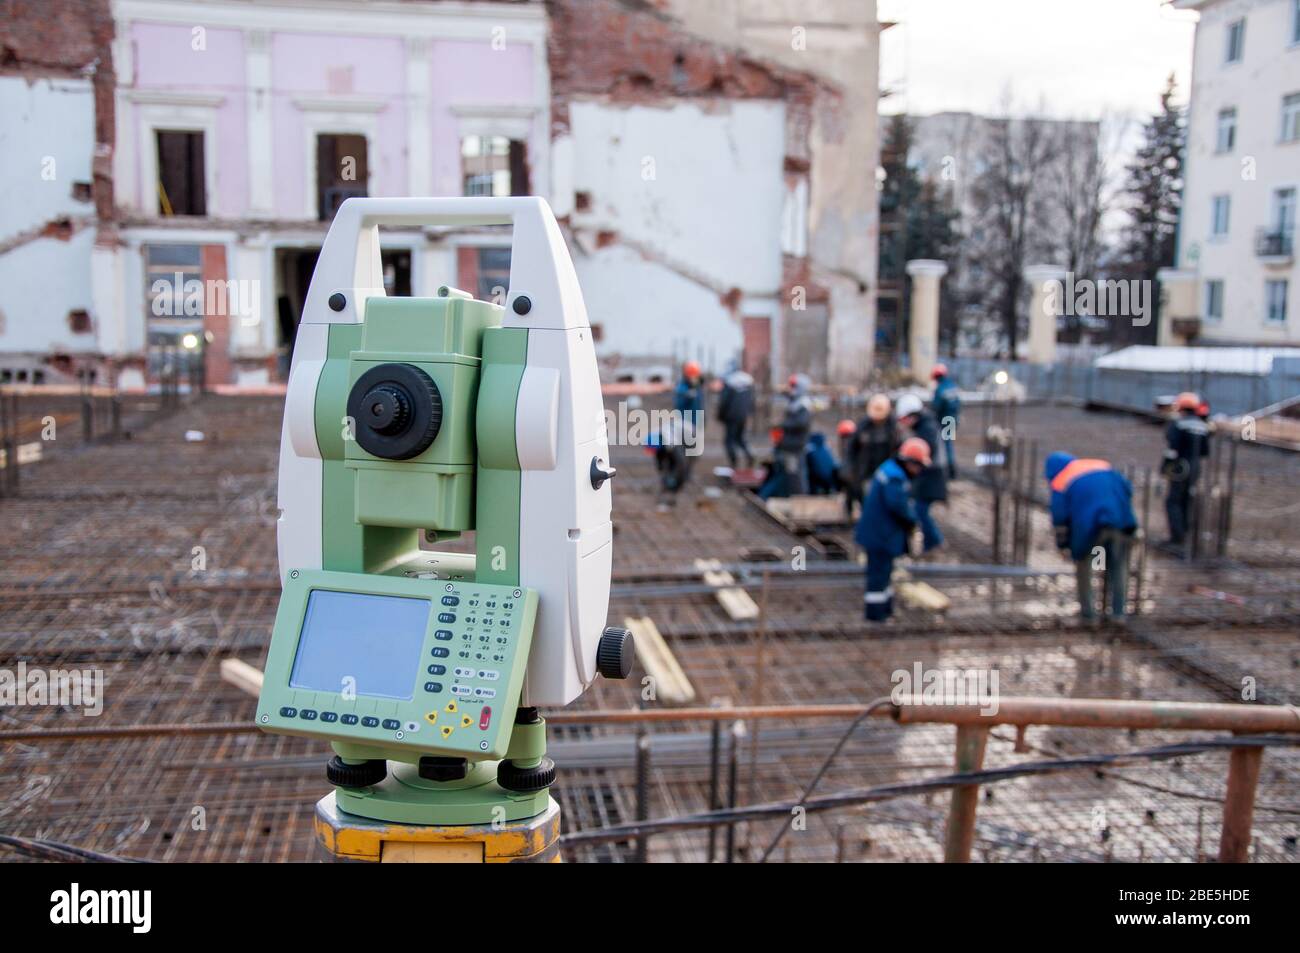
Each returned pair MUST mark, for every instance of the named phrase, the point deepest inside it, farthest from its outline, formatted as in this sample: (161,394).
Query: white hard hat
(907,405)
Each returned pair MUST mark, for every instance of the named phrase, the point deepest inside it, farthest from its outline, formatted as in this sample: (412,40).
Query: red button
(486,718)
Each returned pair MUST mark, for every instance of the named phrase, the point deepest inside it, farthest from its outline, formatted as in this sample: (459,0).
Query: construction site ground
(153,558)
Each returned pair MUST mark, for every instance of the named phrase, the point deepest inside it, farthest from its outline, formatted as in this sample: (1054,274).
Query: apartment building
(1237,279)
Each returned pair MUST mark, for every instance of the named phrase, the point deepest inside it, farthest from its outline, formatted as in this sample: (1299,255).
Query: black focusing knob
(387,409)
(615,652)
(396,411)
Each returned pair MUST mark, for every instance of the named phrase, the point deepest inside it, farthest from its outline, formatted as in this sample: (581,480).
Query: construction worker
(1092,509)
(889,515)
(930,486)
(735,404)
(688,397)
(822,468)
(668,446)
(1187,441)
(874,441)
(947,410)
(795,427)
(846,430)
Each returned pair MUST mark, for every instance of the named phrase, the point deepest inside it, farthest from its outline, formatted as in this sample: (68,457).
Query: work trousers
(1115,545)
(879,597)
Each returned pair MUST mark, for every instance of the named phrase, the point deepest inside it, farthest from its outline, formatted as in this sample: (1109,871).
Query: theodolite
(408,422)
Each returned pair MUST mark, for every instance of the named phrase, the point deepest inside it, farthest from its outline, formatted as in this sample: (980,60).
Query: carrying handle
(541,270)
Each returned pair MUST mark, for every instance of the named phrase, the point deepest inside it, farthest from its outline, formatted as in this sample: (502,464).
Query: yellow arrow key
(447,730)
(431,718)
(466,721)
(451,706)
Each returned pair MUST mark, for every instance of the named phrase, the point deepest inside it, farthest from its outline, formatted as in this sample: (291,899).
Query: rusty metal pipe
(1239,805)
(972,739)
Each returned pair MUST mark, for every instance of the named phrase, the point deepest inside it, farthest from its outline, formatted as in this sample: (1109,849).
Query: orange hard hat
(938,371)
(776,433)
(845,427)
(1187,401)
(691,368)
(1203,408)
(916,450)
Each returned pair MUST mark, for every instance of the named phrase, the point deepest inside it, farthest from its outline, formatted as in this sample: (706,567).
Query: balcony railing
(1274,243)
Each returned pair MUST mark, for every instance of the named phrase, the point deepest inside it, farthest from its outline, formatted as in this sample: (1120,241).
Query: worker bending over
(889,515)
(1092,511)
(947,410)
(1187,441)
(931,485)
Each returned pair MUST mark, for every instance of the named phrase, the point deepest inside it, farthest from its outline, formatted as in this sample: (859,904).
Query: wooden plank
(242,675)
(671,686)
(919,595)
(735,601)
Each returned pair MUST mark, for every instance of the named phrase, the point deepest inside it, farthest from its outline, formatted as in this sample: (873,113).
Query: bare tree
(1012,191)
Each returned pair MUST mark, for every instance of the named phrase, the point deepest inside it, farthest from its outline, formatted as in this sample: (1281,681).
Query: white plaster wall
(42,279)
(714,207)
(647,309)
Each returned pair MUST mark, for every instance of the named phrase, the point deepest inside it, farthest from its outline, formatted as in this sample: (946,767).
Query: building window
(1214,300)
(342,171)
(181,187)
(1295,22)
(1236,41)
(175,302)
(1291,117)
(493,274)
(1226,131)
(1275,300)
(494,165)
(1219,215)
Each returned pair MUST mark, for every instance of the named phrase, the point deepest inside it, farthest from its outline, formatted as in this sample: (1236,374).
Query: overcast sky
(1080,59)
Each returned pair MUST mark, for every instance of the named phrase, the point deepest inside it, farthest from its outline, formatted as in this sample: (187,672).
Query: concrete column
(1046,284)
(1180,306)
(419,132)
(257,77)
(923,341)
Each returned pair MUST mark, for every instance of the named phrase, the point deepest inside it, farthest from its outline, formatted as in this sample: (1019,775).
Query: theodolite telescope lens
(396,410)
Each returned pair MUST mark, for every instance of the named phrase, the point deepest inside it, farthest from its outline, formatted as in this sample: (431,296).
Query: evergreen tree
(916,220)
(1153,187)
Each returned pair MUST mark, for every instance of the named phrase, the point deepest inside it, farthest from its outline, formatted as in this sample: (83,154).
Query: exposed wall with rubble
(834,155)
(56,83)
(685,155)
(679,223)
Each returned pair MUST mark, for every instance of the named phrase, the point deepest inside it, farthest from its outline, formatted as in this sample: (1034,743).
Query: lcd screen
(355,640)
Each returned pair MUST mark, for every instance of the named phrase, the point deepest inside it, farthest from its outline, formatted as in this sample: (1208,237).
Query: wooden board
(671,685)
(919,595)
(735,601)
(242,675)
(805,513)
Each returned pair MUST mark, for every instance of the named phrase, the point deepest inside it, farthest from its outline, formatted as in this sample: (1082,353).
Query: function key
(460,689)
(444,635)
(447,617)
(289,712)
(308,714)
(451,600)
(370,721)
(436,669)
(349,719)
(441,651)
(433,687)
(392,724)
(329,717)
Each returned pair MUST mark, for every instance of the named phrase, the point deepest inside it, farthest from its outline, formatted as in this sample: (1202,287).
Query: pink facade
(165,59)
(312,70)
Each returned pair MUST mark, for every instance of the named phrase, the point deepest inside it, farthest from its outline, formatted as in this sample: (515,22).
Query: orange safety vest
(1075,469)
